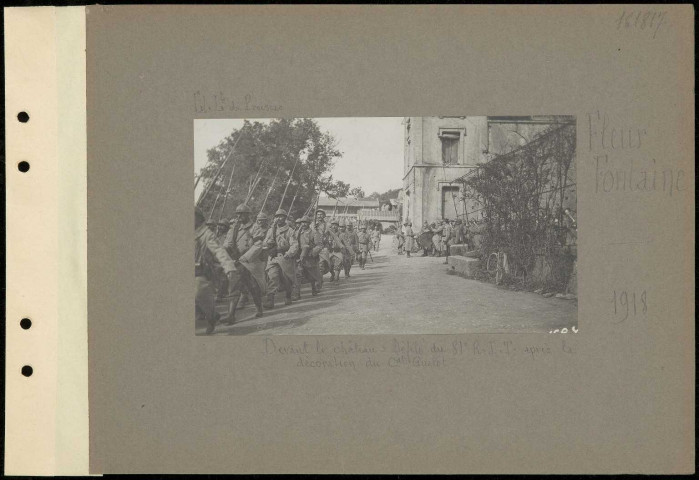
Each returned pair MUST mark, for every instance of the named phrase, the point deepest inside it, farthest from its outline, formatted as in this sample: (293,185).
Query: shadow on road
(305,308)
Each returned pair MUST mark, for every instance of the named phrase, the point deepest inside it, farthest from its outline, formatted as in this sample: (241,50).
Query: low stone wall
(465,266)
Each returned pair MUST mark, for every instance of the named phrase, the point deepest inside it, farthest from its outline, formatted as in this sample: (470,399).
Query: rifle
(225,198)
(287,184)
(206,191)
(293,199)
(274,250)
(269,190)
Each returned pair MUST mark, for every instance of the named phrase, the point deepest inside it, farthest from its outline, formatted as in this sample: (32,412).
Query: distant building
(358,209)
(439,150)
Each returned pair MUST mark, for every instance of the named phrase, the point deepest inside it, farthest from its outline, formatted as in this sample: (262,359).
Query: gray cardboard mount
(617,397)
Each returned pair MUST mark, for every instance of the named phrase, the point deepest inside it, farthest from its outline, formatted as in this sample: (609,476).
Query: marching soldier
(244,297)
(282,249)
(262,222)
(320,224)
(363,239)
(244,244)
(376,236)
(352,243)
(409,238)
(222,230)
(208,252)
(336,247)
(320,234)
(308,257)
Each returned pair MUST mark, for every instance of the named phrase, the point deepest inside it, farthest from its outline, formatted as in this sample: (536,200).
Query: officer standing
(208,252)
(282,249)
(446,238)
(409,238)
(426,238)
(400,239)
(437,238)
(244,244)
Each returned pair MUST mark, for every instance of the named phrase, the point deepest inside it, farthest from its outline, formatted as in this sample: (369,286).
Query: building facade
(440,150)
(363,209)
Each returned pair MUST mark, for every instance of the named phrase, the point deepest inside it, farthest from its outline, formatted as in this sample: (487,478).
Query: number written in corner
(629,304)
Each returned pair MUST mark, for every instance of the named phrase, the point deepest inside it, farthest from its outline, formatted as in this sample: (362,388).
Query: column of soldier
(248,257)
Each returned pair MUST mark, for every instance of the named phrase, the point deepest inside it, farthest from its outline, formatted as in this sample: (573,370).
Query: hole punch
(23,117)
(23,166)
(25,323)
(27,371)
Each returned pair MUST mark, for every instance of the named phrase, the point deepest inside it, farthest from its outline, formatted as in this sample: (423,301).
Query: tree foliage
(385,196)
(523,195)
(264,160)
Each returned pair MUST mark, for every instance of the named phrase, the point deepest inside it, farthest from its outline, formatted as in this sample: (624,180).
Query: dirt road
(400,295)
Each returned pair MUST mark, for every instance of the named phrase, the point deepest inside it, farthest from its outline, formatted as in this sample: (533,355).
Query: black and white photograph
(385,225)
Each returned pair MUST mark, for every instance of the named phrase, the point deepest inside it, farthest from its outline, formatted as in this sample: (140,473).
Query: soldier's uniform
(307,267)
(437,239)
(320,229)
(426,239)
(336,247)
(409,238)
(208,253)
(291,224)
(352,245)
(222,229)
(446,239)
(400,240)
(282,249)
(376,238)
(364,241)
(244,244)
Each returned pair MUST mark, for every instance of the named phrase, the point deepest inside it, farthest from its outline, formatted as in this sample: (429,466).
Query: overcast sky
(372,148)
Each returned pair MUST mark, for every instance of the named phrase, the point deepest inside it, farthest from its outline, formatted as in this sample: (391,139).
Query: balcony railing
(379,215)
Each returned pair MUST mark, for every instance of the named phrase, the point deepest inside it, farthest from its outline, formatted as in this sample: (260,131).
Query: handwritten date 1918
(629,304)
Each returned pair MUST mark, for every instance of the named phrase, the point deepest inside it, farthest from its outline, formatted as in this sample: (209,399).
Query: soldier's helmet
(304,219)
(320,212)
(242,208)
(261,216)
(223,221)
(343,223)
(280,213)
(334,221)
